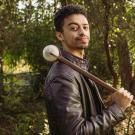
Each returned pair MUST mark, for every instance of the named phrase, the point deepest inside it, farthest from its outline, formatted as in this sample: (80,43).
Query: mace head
(50,53)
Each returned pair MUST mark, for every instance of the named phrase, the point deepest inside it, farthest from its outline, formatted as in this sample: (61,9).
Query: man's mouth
(82,39)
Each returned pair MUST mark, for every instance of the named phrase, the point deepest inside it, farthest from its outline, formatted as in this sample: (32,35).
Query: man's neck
(78,53)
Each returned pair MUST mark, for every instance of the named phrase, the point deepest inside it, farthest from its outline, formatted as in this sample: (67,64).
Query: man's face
(75,33)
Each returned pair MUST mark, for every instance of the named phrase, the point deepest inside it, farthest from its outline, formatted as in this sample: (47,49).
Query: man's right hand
(123,98)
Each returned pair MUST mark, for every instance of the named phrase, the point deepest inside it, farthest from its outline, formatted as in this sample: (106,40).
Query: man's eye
(74,28)
(85,28)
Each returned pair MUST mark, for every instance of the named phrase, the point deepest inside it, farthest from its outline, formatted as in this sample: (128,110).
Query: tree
(122,29)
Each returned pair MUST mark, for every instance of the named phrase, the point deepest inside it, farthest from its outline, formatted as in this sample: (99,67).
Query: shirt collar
(82,63)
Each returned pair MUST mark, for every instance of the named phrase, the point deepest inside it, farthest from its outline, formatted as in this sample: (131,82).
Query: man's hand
(123,98)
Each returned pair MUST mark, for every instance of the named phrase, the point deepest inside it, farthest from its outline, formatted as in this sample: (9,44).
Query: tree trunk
(125,67)
(132,86)
(1,79)
(106,42)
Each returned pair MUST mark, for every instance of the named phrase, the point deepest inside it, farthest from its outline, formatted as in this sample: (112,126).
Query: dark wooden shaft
(89,75)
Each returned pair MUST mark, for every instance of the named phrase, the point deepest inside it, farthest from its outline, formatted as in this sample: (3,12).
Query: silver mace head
(51,53)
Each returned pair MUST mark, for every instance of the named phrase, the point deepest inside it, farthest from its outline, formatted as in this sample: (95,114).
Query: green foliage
(25,30)
(22,111)
(28,29)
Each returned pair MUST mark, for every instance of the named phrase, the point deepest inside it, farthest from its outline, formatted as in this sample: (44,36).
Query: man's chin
(82,46)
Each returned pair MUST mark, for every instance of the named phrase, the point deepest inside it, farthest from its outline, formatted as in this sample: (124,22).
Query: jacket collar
(82,63)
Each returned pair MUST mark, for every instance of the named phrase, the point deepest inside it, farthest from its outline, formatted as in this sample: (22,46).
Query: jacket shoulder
(61,69)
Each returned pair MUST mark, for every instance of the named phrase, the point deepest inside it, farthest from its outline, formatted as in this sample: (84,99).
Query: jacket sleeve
(66,104)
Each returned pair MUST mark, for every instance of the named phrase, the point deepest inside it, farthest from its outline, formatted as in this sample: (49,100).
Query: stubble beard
(75,46)
(82,47)
(78,47)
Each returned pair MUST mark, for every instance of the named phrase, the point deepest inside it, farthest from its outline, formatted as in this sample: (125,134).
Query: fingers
(126,93)
(123,98)
(131,97)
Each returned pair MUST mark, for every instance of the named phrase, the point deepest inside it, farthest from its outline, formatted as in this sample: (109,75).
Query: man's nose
(81,32)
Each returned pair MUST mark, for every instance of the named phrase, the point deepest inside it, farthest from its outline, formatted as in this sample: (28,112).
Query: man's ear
(59,36)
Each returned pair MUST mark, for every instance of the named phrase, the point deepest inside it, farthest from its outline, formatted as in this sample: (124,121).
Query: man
(74,105)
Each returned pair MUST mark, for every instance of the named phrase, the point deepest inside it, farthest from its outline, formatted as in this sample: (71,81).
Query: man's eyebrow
(73,23)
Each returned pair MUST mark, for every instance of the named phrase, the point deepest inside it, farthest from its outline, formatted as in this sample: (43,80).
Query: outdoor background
(26,27)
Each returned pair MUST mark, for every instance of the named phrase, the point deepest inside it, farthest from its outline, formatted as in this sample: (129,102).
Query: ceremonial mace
(51,53)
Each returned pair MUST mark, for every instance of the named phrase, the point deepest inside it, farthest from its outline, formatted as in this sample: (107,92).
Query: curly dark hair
(66,11)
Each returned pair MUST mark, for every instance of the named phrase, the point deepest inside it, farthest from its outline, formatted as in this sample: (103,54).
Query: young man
(73,102)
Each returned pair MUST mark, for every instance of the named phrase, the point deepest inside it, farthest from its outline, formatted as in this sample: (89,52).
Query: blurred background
(26,27)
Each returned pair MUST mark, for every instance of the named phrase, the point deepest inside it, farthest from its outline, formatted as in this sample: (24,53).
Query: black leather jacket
(74,105)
